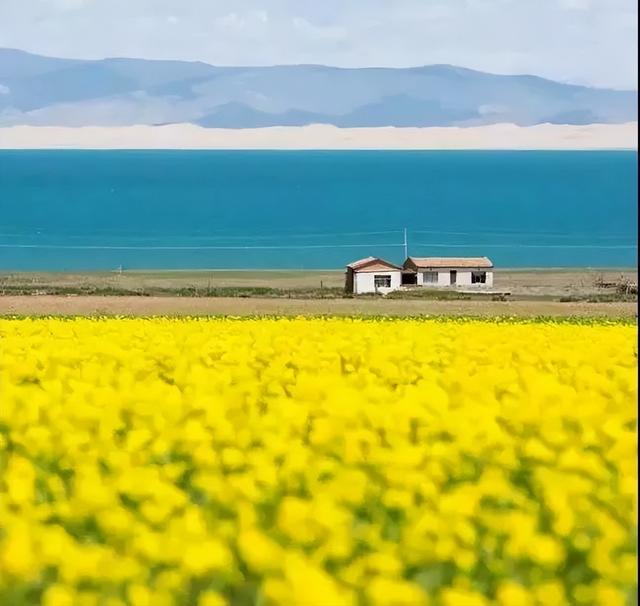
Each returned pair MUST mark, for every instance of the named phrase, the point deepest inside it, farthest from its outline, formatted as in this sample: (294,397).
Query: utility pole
(406,247)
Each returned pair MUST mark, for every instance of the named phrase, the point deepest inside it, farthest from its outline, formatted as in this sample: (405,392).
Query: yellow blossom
(317,461)
(58,595)
(211,598)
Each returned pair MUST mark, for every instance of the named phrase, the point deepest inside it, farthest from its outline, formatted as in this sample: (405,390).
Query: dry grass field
(204,306)
(532,293)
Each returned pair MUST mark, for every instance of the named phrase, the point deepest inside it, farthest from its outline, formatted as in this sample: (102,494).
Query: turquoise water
(98,210)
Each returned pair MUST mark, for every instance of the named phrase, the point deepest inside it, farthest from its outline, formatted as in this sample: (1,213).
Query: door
(409,279)
(453,277)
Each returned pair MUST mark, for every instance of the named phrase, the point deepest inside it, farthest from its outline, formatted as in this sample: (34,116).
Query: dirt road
(182,306)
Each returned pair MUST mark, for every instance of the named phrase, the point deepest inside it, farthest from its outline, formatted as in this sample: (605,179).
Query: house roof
(372,264)
(454,262)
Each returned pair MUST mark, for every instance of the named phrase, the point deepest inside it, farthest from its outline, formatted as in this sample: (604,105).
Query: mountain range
(45,91)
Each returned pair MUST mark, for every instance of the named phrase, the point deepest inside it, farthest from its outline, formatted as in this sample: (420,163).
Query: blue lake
(98,210)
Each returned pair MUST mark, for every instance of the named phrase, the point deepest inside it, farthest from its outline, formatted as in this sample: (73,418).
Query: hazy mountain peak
(59,92)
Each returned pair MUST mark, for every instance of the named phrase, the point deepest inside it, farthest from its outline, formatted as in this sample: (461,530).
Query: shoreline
(281,270)
(323,137)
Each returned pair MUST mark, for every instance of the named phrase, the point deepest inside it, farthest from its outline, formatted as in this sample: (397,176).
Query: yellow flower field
(317,462)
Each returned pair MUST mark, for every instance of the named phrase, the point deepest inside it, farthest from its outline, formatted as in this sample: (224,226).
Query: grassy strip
(504,319)
(222,291)
(263,292)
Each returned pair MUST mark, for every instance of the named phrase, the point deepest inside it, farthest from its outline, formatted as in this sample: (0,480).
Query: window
(382,281)
(430,277)
(478,277)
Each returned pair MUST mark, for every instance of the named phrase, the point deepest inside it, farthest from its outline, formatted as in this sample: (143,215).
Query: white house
(451,271)
(372,275)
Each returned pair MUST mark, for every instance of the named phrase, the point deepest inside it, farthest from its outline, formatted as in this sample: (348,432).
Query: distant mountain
(39,90)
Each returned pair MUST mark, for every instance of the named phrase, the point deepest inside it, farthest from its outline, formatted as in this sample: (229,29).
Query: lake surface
(98,210)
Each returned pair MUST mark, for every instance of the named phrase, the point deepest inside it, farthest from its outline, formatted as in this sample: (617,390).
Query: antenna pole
(406,247)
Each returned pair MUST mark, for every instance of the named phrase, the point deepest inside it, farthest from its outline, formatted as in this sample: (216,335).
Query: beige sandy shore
(185,306)
(188,136)
(521,283)
(533,293)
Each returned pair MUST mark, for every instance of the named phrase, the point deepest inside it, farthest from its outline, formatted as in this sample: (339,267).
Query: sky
(590,42)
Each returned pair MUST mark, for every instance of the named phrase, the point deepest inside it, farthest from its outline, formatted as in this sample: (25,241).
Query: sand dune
(188,136)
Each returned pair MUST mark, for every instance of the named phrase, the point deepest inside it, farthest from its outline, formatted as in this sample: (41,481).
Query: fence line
(203,237)
(289,247)
(525,234)
(515,245)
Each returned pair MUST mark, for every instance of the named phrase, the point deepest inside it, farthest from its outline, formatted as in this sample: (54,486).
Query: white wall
(444,278)
(364,281)
(463,278)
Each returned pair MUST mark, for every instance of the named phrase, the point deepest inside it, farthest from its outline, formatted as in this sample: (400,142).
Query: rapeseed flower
(317,462)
